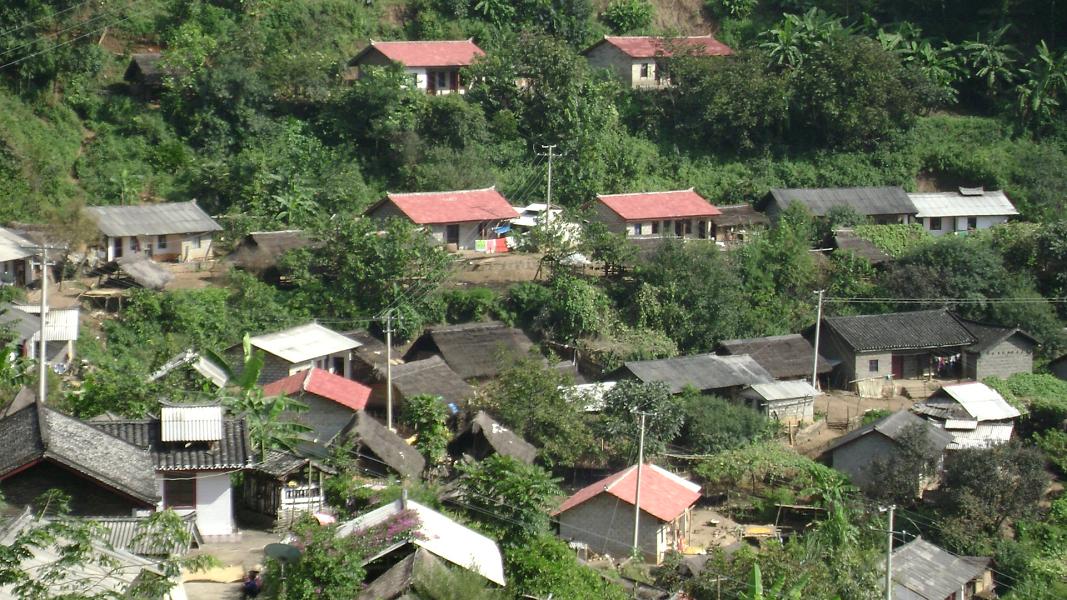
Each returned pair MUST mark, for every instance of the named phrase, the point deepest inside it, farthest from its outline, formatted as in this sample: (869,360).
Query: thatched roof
(739,214)
(847,241)
(485,436)
(431,376)
(387,446)
(474,349)
(136,270)
(259,251)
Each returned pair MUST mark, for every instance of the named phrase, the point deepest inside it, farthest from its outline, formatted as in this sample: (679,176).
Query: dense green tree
(545,566)
(620,419)
(532,398)
(508,496)
(426,416)
(713,424)
(897,478)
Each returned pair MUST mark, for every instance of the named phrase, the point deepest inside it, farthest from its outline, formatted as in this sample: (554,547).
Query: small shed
(855,452)
(975,414)
(484,436)
(301,348)
(847,242)
(259,252)
(144,75)
(136,270)
(381,451)
(737,222)
(783,356)
(708,373)
(284,484)
(61,327)
(472,350)
(999,351)
(789,402)
(434,377)
(923,571)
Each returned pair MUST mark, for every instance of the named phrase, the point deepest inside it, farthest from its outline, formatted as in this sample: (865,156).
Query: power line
(55,35)
(45,18)
(66,43)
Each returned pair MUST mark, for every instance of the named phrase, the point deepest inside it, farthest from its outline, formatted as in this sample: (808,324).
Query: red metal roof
(320,382)
(461,206)
(664,495)
(646,46)
(452,53)
(659,205)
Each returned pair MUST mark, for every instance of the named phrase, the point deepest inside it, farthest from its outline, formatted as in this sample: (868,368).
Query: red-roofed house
(331,401)
(681,213)
(433,65)
(636,59)
(463,218)
(601,515)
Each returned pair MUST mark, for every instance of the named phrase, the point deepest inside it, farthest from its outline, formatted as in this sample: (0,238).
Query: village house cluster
(185,456)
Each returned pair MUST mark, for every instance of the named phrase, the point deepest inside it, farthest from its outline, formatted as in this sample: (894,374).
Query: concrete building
(601,515)
(301,348)
(169,231)
(331,402)
(640,61)
(16,258)
(922,571)
(434,66)
(896,345)
(678,213)
(963,211)
(999,352)
(855,452)
(462,219)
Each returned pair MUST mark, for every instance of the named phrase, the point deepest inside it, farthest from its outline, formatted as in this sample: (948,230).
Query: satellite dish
(284,553)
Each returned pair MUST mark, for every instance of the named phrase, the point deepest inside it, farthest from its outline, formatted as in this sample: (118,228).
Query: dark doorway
(898,367)
(452,234)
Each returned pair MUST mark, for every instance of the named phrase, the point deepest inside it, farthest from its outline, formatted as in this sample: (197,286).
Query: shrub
(626,16)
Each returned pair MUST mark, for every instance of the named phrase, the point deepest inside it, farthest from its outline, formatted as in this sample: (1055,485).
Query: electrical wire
(66,43)
(45,18)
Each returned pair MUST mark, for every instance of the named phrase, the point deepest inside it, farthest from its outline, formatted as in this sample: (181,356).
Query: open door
(452,234)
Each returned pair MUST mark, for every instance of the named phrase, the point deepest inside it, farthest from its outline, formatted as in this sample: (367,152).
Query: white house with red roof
(679,213)
(601,515)
(463,219)
(433,65)
(637,59)
(331,401)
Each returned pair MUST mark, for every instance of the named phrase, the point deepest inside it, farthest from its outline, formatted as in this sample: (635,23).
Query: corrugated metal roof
(152,219)
(981,401)
(955,204)
(785,390)
(701,371)
(784,356)
(13,246)
(889,200)
(137,535)
(60,324)
(303,343)
(984,435)
(439,535)
(932,573)
(191,423)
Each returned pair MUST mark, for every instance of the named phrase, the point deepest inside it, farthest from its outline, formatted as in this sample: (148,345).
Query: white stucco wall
(179,247)
(214,503)
(954,224)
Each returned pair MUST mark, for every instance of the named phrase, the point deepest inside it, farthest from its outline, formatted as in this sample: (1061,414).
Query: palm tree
(267,426)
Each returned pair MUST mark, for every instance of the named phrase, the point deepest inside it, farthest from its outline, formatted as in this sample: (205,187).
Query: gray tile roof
(233,451)
(474,349)
(890,200)
(502,440)
(892,426)
(137,535)
(386,445)
(784,356)
(431,376)
(281,464)
(848,242)
(152,219)
(917,330)
(701,371)
(38,432)
(738,214)
(922,570)
(991,335)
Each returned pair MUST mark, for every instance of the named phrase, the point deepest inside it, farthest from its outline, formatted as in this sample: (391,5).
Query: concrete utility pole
(637,491)
(389,369)
(42,385)
(815,358)
(548,197)
(889,556)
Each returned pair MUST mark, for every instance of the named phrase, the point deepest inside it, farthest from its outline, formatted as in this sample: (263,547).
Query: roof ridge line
(622,475)
(485,189)
(689,189)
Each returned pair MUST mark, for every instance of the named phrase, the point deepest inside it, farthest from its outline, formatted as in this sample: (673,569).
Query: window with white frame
(161,242)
